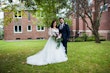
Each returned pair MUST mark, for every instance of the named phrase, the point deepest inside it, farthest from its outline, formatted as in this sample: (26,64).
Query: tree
(86,10)
(48,8)
(1,21)
(1,29)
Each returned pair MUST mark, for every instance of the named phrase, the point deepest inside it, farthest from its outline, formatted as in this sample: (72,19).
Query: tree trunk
(96,22)
(77,28)
(96,35)
(77,20)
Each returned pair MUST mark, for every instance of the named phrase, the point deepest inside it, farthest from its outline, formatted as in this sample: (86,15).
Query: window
(29,38)
(39,38)
(40,14)
(17,38)
(18,14)
(29,28)
(40,28)
(17,29)
(104,7)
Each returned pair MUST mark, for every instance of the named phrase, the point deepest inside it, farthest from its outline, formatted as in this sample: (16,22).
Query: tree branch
(83,18)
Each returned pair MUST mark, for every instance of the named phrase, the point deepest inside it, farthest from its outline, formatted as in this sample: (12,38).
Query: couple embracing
(52,53)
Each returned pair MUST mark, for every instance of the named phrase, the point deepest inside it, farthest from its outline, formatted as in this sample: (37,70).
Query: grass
(84,57)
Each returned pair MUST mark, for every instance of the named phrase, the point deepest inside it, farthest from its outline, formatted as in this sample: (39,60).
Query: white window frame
(40,28)
(17,29)
(27,28)
(17,15)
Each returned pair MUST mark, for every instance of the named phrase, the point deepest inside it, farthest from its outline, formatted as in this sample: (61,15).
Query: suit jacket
(65,31)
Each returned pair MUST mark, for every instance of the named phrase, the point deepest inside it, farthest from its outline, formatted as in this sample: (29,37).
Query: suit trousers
(65,45)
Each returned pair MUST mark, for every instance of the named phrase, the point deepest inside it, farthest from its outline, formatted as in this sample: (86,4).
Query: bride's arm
(60,35)
(50,32)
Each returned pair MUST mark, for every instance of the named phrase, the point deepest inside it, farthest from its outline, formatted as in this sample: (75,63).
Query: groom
(65,31)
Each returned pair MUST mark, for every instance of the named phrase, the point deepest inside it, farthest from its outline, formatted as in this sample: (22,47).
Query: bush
(79,39)
(84,37)
(91,38)
(1,35)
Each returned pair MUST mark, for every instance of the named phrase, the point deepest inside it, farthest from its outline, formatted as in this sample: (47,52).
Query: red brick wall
(105,21)
(9,29)
(104,28)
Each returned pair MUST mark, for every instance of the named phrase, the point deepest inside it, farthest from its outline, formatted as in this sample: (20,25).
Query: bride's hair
(53,23)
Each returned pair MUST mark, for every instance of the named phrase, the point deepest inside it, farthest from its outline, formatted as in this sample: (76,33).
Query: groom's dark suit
(65,31)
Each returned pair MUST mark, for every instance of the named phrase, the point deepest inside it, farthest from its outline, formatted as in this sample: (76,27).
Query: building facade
(104,29)
(23,26)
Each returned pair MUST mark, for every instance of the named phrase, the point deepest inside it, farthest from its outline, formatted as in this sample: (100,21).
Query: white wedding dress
(49,54)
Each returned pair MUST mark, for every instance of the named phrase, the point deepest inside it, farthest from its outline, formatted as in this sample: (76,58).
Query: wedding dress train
(49,54)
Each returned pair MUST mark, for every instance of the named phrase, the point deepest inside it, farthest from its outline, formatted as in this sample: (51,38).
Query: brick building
(23,27)
(104,29)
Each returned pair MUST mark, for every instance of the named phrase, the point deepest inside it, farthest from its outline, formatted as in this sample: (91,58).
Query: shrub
(84,36)
(79,39)
(91,38)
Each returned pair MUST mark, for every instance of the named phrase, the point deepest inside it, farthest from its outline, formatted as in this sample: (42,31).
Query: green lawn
(84,57)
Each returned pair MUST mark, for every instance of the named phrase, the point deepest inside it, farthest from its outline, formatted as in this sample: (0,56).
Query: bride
(49,54)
